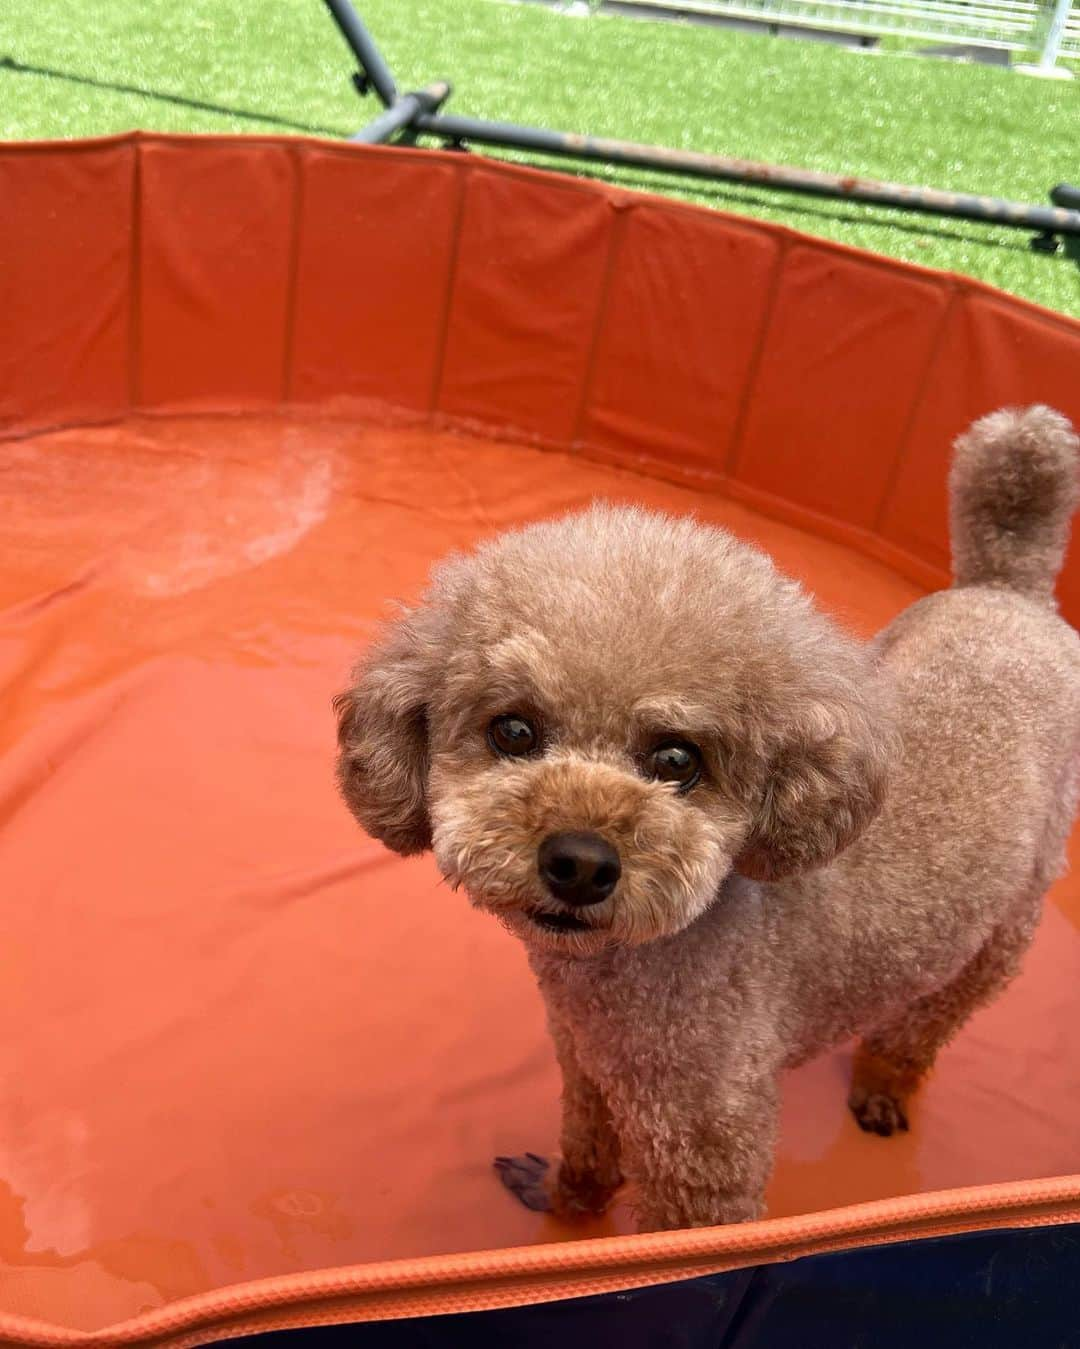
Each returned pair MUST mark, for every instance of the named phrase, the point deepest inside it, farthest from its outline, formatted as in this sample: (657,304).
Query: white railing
(1060,38)
(1047,30)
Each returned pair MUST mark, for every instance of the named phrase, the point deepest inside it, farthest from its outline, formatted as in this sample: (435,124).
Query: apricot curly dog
(728,834)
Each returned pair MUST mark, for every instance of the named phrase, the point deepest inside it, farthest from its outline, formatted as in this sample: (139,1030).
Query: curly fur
(1013,493)
(866,851)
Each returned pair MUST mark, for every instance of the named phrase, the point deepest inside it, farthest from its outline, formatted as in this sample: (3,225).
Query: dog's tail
(1013,489)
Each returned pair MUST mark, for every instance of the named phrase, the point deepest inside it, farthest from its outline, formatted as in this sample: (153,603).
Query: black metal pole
(987,210)
(372,65)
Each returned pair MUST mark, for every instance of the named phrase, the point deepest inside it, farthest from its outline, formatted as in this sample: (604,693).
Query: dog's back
(1006,666)
(987,680)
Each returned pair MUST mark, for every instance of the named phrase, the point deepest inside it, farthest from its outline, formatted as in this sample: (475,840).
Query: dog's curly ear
(383,735)
(826,782)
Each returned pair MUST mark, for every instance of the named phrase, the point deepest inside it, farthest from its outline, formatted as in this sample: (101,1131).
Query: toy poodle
(728,834)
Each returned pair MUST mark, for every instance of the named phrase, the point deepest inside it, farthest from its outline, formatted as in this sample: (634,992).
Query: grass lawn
(102,66)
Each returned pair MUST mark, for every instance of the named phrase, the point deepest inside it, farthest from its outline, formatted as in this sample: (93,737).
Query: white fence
(1044,30)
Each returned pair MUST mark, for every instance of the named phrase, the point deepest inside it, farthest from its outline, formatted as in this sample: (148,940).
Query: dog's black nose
(579,869)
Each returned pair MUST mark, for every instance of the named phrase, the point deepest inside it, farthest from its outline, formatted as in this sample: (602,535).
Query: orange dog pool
(256,1068)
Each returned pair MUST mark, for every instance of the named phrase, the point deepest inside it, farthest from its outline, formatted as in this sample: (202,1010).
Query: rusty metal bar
(931,201)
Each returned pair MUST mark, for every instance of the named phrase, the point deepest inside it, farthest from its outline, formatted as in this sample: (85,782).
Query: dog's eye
(676,761)
(513,736)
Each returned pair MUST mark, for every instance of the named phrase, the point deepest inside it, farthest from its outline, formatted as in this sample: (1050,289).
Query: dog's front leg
(698,1165)
(589,1173)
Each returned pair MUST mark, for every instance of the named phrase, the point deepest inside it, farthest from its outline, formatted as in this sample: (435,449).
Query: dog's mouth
(560,922)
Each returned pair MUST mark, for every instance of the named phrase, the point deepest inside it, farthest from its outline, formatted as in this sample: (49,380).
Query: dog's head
(593,721)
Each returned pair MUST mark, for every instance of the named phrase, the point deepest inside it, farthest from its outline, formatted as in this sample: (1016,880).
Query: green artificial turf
(102,66)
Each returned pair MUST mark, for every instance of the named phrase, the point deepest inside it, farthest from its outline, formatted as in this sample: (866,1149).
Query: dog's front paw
(582,1194)
(878,1112)
(526,1177)
(569,1195)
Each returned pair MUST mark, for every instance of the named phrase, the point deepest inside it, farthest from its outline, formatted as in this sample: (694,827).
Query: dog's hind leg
(892,1061)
